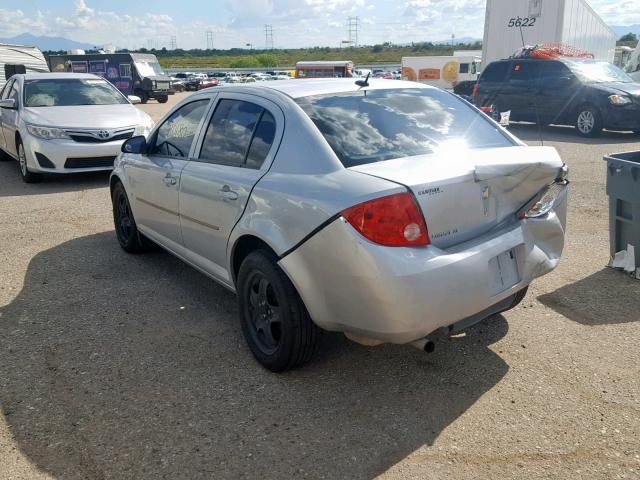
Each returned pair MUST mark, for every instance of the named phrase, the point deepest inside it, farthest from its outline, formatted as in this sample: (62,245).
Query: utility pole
(353,29)
(268,37)
(173,44)
(209,35)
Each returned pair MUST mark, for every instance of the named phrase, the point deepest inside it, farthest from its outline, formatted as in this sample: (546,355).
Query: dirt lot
(115,366)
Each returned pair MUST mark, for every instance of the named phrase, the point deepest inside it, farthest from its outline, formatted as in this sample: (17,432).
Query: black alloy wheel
(274,319)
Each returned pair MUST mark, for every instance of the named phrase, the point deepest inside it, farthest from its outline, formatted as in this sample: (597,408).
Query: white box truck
(510,23)
(443,72)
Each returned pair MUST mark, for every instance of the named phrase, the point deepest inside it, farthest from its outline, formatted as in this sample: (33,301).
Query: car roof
(308,87)
(558,59)
(57,75)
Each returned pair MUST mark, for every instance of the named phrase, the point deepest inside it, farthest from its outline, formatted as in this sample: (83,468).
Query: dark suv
(589,94)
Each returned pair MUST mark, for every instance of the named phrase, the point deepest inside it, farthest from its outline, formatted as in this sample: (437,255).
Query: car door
(234,153)
(154,178)
(558,89)
(10,119)
(492,84)
(520,93)
(3,94)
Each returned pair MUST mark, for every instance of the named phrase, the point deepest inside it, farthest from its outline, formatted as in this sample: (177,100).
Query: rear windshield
(70,92)
(372,126)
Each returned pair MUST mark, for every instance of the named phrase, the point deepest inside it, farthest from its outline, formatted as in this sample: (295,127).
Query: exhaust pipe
(424,344)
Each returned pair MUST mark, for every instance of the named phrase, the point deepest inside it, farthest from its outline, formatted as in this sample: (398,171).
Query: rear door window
(175,135)
(524,73)
(495,72)
(239,134)
(7,89)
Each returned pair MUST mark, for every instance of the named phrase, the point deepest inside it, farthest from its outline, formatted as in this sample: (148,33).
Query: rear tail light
(393,221)
(544,202)
(475,91)
(487,109)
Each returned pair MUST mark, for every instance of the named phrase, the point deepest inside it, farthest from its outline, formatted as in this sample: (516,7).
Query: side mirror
(134,99)
(9,103)
(137,144)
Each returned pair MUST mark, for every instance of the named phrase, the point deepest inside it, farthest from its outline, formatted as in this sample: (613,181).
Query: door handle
(227,194)
(169,180)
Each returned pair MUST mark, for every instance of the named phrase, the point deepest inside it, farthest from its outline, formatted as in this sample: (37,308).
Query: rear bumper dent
(399,295)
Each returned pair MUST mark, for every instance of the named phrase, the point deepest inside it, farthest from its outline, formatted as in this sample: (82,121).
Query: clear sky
(234,23)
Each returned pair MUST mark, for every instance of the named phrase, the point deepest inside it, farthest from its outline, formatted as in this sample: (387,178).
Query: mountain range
(45,43)
(623,30)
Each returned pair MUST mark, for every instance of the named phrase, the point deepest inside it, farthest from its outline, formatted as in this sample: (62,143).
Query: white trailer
(443,72)
(511,23)
(20,59)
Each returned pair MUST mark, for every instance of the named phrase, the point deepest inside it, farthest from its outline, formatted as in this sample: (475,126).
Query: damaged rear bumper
(399,295)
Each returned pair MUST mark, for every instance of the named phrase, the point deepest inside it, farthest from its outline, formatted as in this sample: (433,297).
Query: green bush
(247,62)
(266,60)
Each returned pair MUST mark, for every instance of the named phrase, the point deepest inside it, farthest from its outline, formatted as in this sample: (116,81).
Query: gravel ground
(116,366)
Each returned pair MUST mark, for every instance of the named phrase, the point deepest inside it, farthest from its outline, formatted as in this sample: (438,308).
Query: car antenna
(365,82)
(535,102)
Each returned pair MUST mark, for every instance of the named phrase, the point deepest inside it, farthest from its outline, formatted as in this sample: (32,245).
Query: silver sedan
(390,211)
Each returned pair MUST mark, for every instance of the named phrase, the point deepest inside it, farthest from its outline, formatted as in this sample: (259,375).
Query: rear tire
(274,320)
(26,175)
(588,121)
(164,99)
(129,238)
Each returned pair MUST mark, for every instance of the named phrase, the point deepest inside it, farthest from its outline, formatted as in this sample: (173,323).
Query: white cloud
(296,23)
(621,12)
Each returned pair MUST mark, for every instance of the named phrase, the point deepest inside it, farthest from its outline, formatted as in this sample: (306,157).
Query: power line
(173,44)
(209,35)
(353,24)
(268,37)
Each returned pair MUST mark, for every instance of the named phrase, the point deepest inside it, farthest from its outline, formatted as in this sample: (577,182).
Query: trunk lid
(465,194)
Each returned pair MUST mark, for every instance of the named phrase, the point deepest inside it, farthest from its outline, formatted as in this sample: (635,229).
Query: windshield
(599,72)
(148,69)
(69,92)
(371,126)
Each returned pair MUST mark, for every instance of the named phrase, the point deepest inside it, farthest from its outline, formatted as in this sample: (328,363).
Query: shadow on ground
(529,132)
(606,297)
(11,184)
(120,366)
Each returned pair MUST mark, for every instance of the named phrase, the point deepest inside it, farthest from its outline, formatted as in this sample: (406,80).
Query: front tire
(588,121)
(274,320)
(26,175)
(129,238)
(164,99)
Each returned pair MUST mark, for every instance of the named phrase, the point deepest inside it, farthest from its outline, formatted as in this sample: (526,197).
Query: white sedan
(65,122)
